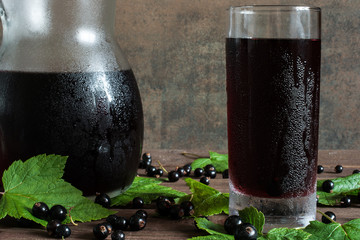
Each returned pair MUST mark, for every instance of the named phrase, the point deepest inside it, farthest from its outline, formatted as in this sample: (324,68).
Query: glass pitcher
(66,88)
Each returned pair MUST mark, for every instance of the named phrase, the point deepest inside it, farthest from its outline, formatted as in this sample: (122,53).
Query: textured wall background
(177,51)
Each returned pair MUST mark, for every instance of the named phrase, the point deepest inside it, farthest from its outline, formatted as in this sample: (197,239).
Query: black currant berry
(331,215)
(205,180)
(231,223)
(181,171)
(320,169)
(118,235)
(210,173)
(356,171)
(100,231)
(173,176)
(159,172)
(51,226)
(338,169)
(187,168)
(121,223)
(345,202)
(198,172)
(142,213)
(137,223)
(163,205)
(145,161)
(150,171)
(58,212)
(40,210)
(328,186)
(108,226)
(245,231)
(188,208)
(103,199)
(209,167)
(145,164)
(225,173)
(111,219)
(62,231)
(137,202)
(176,212)
(146,157)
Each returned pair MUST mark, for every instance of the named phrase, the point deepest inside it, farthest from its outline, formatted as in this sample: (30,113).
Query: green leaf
(39,179)
(148,189)
(342,186)
(220,161)
(200,163)
(211,237)
(207,200)
(322,231)
(285,234)
(253,216)
(212,228)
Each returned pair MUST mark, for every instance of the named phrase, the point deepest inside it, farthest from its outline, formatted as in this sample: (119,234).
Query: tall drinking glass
(273,83)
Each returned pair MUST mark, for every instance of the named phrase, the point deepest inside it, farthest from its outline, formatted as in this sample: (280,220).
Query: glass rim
(274,8)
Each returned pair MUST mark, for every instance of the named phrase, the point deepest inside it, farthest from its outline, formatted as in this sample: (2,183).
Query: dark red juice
(273,113)
(95,118)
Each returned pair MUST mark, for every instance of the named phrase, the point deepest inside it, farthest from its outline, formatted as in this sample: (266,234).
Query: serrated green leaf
(212,228)
(220,161)
(200,163)
(286,234)
(342,186)
(211,237)
(352,229)
(39,179)
(253,216)
(207,200)
(148,189)
(322,231)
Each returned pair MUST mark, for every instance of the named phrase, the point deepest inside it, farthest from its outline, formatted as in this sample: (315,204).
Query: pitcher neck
(60,17)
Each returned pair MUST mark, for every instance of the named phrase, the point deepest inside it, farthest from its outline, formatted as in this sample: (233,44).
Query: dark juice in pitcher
(273,115)
(95,118)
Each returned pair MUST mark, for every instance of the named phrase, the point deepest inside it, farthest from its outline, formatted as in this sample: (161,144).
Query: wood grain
(163,228)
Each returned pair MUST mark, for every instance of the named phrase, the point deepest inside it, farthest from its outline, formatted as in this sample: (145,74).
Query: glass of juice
(273,85)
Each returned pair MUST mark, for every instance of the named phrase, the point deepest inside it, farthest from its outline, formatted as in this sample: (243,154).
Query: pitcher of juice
(66,88)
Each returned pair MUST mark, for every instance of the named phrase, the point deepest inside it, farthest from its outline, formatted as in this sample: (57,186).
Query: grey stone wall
(176,49)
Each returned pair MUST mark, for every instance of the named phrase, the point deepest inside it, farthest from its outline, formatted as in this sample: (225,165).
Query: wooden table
(163,228)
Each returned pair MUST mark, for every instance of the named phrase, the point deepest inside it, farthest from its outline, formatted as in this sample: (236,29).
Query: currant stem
(71,220)
(2,193)
(193,155)
(318,211)
(191,198)
(161,166)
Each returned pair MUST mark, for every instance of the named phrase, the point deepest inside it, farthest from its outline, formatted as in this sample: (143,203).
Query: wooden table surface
(164,228)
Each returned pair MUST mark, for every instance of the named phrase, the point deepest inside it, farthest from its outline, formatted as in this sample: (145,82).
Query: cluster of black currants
(55,215)
(166,207)
(328,186)
(151,171)
(337,169)
(207,173)
(179,172)
(115,225)
(242,231)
